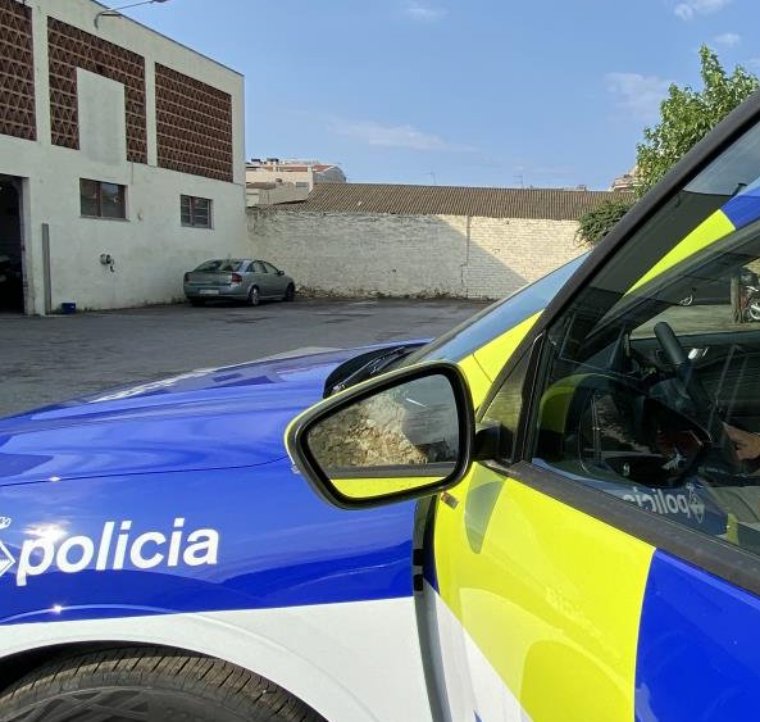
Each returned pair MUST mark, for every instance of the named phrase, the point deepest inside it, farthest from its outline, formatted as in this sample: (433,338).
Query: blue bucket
(68,307)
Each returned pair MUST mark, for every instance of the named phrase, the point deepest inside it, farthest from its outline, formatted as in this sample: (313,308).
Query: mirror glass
(402,438)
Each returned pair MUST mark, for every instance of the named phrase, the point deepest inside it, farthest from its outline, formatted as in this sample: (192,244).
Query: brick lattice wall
(17,109)
(194,126)
(71,48)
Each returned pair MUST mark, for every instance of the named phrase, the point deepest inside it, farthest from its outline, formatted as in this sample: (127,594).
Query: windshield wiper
(372,367)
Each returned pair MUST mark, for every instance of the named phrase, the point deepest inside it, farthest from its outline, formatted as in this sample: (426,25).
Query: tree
(596,223)
(686,116)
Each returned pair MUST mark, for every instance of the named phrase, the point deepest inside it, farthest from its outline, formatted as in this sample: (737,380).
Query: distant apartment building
(121,158)
(271,181)
(626,182)
(301,173)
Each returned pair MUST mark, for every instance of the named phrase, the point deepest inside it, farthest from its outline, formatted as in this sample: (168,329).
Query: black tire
(290,293)
(254,296)
(149,684)
(197,302)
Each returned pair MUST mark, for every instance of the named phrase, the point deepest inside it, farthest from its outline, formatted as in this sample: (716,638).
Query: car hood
(223,418)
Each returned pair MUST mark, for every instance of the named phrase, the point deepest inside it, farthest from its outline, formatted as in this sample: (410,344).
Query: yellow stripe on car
(537,609)
(712,229)
(372,488)
(483,366)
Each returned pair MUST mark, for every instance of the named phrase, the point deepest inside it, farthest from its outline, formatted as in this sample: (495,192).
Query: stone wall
(364,254)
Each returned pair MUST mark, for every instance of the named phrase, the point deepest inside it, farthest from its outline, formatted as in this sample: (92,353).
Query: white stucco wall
(282,193)
(265,175)
(358,254)
(151,248)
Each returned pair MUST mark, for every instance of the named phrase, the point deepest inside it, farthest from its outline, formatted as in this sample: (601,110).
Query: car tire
(197,302)
(753,311)
(254,296)
(290,293)
(150,684)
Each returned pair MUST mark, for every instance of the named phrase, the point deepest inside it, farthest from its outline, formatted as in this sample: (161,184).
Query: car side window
(649,387)
(270,268)
(258,267)
(505,407)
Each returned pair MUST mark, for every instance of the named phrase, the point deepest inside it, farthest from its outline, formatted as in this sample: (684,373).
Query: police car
(552,513)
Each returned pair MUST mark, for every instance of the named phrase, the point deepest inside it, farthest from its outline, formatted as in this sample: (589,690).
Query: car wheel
(254,297)
(290,293)
(197,302)
(753,310)
(148,684)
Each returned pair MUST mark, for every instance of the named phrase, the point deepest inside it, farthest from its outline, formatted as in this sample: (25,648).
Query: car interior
(644,397)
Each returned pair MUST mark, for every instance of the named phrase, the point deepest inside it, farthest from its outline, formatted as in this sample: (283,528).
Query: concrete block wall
(507,253)
(365,254)
(362,254)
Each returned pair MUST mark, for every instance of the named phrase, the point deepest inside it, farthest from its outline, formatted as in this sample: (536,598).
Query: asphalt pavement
(48,360)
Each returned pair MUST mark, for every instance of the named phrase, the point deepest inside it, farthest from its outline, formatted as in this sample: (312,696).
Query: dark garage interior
(11,256)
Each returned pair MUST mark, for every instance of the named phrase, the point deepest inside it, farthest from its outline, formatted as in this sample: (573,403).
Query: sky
(545,93)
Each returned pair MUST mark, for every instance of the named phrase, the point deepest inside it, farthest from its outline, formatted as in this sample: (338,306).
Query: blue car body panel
(214,419)
(154,465)
(279,545)
(698,658)
(744,208)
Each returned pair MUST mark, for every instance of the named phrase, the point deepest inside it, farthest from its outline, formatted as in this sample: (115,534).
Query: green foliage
(687,115)
(595,224)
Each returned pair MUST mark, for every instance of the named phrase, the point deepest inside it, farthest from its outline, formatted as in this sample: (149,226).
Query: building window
(102,200)
(195,212)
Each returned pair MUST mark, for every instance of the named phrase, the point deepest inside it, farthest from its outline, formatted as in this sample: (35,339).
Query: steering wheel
(676,354)
(704,407)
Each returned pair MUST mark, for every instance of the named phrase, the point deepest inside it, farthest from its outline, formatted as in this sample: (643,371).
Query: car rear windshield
(220,266)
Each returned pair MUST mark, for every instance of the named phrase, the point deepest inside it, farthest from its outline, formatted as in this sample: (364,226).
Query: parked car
(235,279)
(717,291)
(552,513)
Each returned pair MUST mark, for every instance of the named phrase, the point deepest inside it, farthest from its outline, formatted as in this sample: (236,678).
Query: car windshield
(497,318)
(220,266)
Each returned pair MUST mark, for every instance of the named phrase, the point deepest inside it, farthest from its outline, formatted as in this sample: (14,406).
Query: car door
(600,560)
(262,279)
(279,284)
(592,551)
(248,273)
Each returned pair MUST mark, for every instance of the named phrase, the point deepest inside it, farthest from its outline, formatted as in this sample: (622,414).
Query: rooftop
(127,19)
(275,164)
(537,203)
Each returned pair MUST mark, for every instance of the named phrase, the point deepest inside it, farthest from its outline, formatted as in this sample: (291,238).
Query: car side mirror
(406,434)
(280,273)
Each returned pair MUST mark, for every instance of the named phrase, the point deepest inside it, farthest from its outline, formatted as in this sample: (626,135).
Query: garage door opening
(11,246)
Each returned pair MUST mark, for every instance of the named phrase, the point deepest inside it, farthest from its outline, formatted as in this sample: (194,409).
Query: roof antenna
(116,12)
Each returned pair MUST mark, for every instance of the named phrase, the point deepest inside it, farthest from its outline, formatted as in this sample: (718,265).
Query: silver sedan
(238,279)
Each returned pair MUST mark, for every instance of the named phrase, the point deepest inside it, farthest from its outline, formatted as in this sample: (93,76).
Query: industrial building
(121,159)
